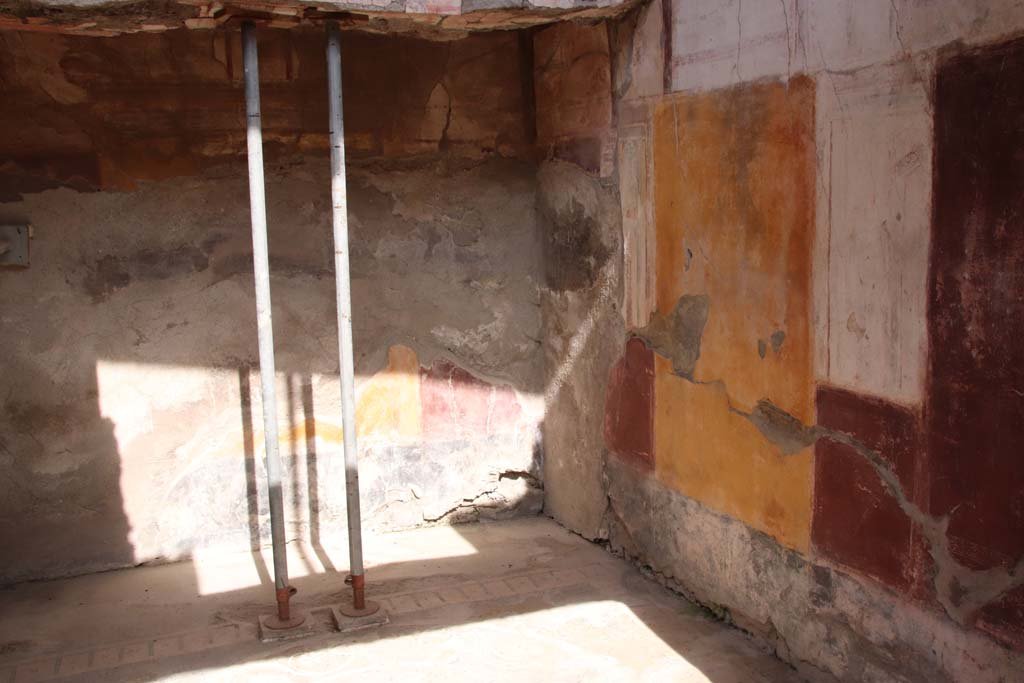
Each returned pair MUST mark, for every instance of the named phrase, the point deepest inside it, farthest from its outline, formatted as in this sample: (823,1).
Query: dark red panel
(629,406)
(1004,618)
(975,411)
(458,404)
(857,522)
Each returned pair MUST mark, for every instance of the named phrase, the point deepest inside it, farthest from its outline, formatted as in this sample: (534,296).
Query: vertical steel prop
(339,206)
(264,323)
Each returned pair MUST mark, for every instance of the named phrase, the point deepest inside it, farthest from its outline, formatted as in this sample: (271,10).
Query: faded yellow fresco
(388,406)
(389,403)
(734,214)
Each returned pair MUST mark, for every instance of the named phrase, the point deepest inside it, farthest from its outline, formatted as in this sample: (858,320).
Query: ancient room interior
(512,340)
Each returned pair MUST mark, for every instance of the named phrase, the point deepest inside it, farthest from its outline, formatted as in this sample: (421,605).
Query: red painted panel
(856,522)
(458,404)
(975,413)
(976,314)
(629,406)
(1004,618)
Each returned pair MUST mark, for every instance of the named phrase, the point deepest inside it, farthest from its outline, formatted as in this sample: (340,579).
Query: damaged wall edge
(444,21)
(810,613)
(961,591)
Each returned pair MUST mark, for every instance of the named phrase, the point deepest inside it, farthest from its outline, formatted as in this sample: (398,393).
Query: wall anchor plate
(14,245)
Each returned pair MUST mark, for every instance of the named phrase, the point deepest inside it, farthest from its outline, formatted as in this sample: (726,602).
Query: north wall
(132,426)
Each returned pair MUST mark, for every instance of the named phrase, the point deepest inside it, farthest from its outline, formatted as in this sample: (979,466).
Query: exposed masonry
(961,591)
(774,594)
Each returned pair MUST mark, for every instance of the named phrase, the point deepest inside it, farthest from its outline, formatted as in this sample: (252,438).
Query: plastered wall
(812,423)
(131,428)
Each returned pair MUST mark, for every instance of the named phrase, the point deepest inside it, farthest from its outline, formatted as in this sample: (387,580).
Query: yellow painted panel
(389,403)
(719,458)
(734,214)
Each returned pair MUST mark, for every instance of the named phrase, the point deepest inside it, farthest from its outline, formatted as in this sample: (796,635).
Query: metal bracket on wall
(14,245)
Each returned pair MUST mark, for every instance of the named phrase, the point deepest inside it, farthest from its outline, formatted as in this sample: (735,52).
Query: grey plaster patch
(677,336)
(777,338)
(781,428)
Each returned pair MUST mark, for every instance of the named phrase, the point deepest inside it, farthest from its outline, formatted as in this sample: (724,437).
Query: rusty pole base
(284,624)
(360,607)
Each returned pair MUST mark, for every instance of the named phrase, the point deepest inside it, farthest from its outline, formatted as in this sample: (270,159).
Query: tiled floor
(513,601)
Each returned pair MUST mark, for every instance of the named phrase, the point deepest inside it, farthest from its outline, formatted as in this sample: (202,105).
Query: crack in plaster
(961,591)
(789,42)
(471,503)
(739,39)
(908,56)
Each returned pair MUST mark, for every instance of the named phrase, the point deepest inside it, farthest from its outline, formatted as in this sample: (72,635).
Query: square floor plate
(345,624)
(268,635)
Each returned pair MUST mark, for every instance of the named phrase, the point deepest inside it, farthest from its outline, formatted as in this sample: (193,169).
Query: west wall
(131,428)
(811,419)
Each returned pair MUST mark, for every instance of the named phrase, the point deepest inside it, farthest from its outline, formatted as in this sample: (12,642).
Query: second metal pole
(339,208)
(264,324)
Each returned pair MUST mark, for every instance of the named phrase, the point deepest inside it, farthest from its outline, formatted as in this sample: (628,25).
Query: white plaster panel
(931,24)
(874,196)
(636,193)
(718,43)
(838,35)
(846,34)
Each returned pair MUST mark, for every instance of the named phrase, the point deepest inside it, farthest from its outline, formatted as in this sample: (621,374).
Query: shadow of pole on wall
(312,478)
(252,498)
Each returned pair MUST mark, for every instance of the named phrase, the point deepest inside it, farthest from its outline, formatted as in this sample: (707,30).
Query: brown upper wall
(98,113)
(573,86)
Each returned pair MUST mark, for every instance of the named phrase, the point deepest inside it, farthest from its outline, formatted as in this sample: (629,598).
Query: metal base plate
(14,245)
(346,622)
(272,628)
(350,611)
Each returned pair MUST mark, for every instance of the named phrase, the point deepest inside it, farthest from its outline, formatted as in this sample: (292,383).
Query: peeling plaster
(677,336)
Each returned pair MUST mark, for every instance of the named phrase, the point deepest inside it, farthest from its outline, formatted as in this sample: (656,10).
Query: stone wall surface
(830,183)
(578,213)
(580,221)
(131,428)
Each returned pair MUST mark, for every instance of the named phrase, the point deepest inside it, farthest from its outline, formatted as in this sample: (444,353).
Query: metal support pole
(339,207)
(264,324)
